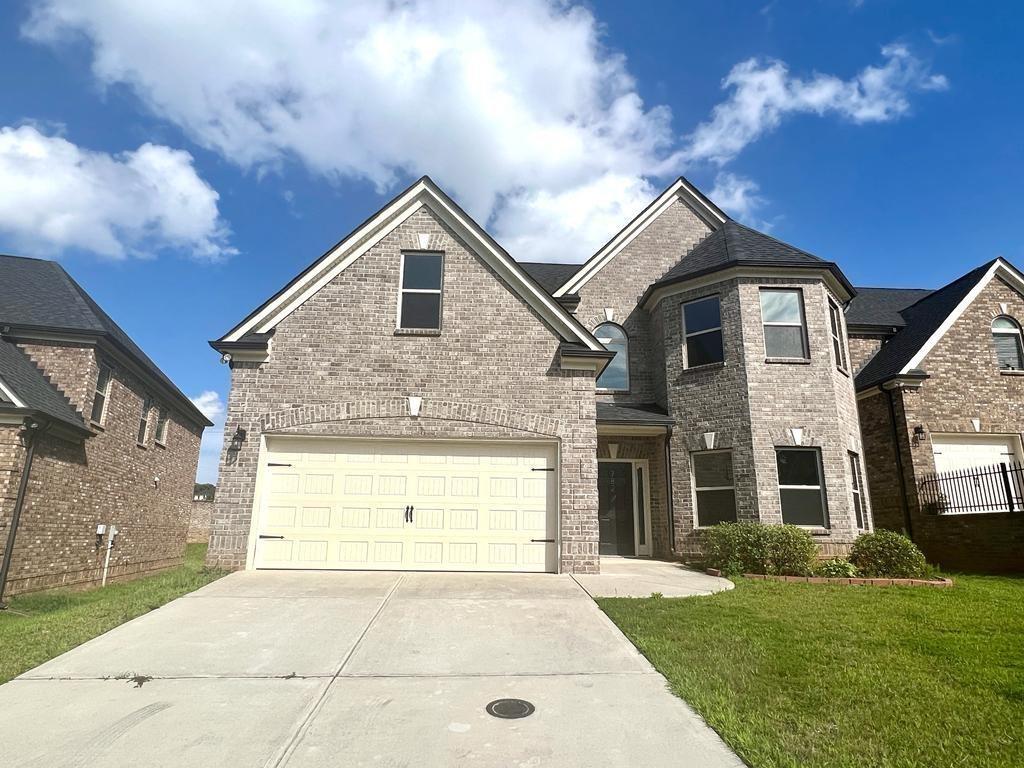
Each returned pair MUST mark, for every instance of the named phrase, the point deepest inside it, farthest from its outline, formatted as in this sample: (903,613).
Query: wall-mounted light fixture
(237,439)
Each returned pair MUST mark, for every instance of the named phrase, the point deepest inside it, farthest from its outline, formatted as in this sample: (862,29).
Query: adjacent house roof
(38,295)
(922,324)
(423,192)
(882,307)
(549,275)
(736,245)
(23,387)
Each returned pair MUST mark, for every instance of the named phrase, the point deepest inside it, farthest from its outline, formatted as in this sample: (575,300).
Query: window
(1006,336)
(144,421)
(782,313)
(616,375)
(713,487)
(99,400)
(702,331)
(419,306)
(800,486)
(857,484)
(161,426)
(836,322)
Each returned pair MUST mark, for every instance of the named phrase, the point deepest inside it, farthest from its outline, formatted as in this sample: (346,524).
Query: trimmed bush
(887,555)
(836,568)
(778,550)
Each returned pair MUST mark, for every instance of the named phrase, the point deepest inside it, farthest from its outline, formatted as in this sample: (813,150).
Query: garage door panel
(343,504)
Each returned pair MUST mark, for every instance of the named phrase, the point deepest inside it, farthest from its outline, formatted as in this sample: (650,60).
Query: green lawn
(802,675)
(42,625)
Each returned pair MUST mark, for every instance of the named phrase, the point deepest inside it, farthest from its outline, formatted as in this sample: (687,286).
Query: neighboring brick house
(416,399)
(941,390)
(116,444)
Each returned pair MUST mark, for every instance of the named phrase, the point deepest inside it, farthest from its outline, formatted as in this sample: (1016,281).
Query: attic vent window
(419,304)
(1006,336)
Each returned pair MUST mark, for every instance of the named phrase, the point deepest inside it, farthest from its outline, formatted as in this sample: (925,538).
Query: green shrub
(887,555)
(736,548)
(836,568)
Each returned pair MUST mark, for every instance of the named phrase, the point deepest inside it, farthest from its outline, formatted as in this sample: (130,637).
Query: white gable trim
(9,394)
(422,193)
(1000,268)
(680,190)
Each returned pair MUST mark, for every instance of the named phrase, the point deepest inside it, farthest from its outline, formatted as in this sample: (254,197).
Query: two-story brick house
(417,399)
(940,382)
(115,444)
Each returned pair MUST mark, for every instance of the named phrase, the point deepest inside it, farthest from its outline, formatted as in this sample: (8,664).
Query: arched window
(1006,336)
(616,376)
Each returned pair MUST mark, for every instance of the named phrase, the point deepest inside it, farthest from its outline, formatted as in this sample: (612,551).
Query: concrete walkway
(640,577)
(357,669)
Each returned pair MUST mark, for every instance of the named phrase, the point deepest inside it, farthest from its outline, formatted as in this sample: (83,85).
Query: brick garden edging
(854,581)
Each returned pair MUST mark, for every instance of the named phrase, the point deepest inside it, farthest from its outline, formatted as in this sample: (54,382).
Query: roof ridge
(79,292)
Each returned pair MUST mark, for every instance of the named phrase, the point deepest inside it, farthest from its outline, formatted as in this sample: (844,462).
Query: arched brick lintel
(391,408)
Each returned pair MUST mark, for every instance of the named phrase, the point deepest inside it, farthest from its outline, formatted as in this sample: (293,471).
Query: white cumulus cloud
(518,109)
(55,195)
(764,92)
(210,403)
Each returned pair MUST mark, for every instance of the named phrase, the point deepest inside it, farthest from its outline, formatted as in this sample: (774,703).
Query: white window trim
(686,335)
(1015,331)
(802,325)
(820,487)
(105,394)
(835,322)
(625,351)
(693,480)
(9,394)
(402,290)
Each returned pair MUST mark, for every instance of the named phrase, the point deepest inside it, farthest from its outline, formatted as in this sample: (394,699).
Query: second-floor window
(102,394)
(702,331)
(419,302)
(615,376)
(161,426)
(144,420)
(1006,337)
(782,313)
(835,318)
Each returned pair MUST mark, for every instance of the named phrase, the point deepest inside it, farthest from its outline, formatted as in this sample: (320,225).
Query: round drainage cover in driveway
(510,709)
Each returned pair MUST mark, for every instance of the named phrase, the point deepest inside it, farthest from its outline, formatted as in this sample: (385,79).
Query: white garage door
(967,451)
(407,505)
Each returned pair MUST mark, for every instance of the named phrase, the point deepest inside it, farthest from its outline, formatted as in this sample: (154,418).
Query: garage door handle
(262,536)
(543,469)
(275,464)
(543,541)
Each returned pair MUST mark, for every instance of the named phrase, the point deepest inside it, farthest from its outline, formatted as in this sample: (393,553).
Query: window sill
(843,371)
(788,360)
(602,391)
(1010,372)
(816,530)
(158,444)
(705,367)
(417,331)
(97,426)
(141,445)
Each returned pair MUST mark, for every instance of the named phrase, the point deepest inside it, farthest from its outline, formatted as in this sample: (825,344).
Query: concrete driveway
(356,669)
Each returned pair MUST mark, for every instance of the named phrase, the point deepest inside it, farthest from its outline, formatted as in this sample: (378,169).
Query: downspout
(32,429)
(904,504)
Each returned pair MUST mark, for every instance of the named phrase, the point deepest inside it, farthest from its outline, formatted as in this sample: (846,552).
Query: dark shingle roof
(882,306)
(31,387)
(40,294)
(551,276)
(733,245)
(648,414)
(920,321)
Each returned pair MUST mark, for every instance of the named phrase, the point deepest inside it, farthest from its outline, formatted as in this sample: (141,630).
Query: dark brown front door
(615,507)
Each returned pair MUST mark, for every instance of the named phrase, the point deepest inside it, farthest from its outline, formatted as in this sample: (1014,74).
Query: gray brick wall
(337,368)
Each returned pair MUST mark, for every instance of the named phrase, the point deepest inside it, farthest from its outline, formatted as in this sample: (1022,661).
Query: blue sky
(184,161)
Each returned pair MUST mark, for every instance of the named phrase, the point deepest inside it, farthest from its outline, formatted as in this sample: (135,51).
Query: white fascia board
(679,189)
(367,236)
(9,394)
(1000,268)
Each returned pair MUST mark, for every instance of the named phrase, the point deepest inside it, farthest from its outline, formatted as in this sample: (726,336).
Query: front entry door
(616,507)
